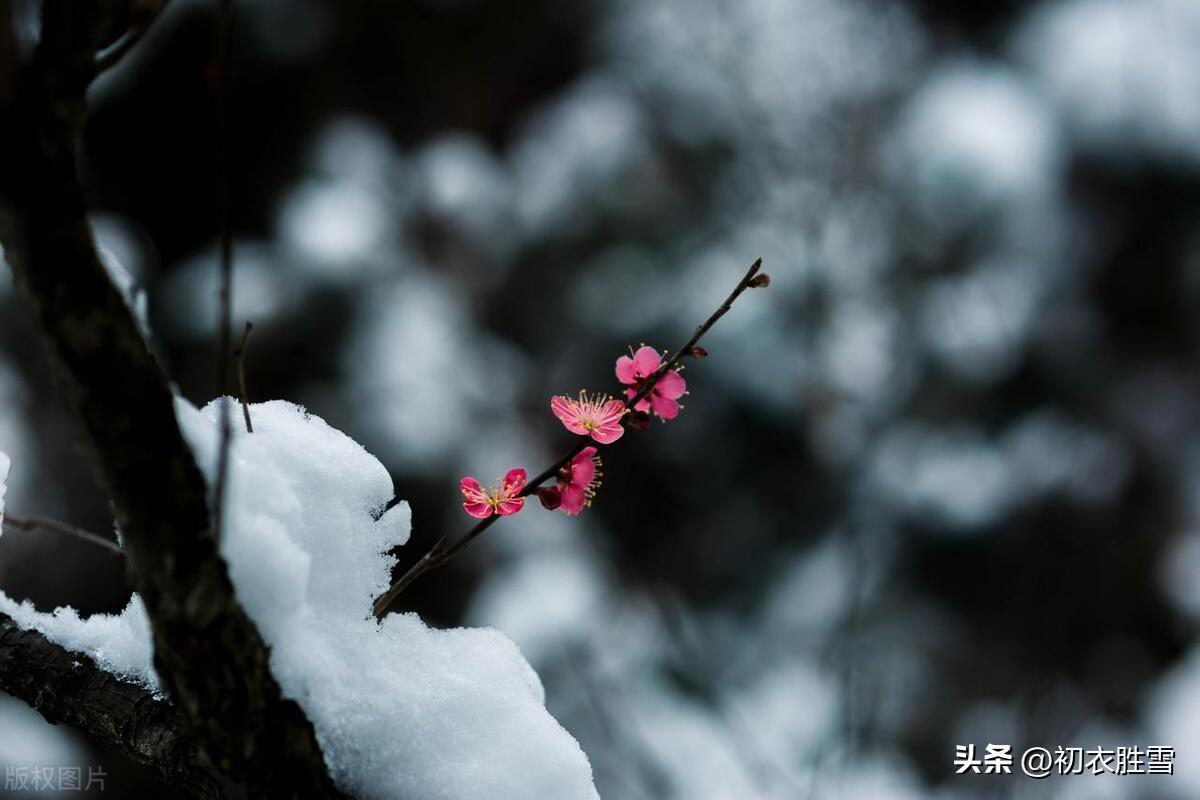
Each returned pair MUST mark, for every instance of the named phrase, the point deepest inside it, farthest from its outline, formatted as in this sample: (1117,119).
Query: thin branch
(445,549)
(225,281)
(33,522)
(239,356)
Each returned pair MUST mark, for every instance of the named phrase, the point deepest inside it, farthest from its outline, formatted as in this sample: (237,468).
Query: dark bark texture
(68,688)
(211,659)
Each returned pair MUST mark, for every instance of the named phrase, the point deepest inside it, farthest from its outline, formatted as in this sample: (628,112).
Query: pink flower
(505,500)
(597,416)
(578,481)
(636,371)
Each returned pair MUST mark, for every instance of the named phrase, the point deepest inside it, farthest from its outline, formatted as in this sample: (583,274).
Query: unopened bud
(638,420)
(698,352)
(550,496)
(760,281)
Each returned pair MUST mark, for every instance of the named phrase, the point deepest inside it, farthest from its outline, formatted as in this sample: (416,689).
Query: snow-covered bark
(207,652)
(400,710)
(67,687)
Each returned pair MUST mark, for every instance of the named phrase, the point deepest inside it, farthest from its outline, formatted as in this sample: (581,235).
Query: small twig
(239,356)
(33,522)
(225,259)
(445,549)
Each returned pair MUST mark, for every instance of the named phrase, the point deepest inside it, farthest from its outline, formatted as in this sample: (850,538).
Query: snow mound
(400,709)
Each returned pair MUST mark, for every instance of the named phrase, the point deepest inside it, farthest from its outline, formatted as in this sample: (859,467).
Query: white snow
(400,709)
(5,463)
(127,285)
(16,444)
(118,643)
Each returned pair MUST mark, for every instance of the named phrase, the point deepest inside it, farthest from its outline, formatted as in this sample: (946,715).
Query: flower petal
(567,410)
(671,385)
(664,407)
(626,371)
(640,405)
(609,433)
(479,510)
(563,407)
(472,490)
(508,507)
(514,482)
(611,411)
(572,500)
(575,427)
(583,468)
(646,361)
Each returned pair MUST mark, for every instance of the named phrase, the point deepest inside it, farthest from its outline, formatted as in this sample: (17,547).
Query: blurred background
(939,485)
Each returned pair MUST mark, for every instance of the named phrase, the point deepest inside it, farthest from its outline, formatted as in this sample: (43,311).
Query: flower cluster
(663,397)
(651,388)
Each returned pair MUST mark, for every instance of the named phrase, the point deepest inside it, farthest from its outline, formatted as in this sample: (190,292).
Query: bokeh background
(939,485)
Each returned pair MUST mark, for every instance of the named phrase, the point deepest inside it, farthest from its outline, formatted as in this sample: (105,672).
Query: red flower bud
(550,496)
(698,352)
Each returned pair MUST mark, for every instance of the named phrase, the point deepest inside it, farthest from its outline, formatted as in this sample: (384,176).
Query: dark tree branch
(224,262)
(212,661)
(34,522)
(239,356)
(446,548)
(68,687)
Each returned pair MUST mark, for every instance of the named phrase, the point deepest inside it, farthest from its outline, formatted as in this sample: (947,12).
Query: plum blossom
(598,416)
(578,481)
(637,370)
(503,500)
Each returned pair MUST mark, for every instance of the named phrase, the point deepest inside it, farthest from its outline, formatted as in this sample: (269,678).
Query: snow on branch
(209,655)
(399,709)
(69,688)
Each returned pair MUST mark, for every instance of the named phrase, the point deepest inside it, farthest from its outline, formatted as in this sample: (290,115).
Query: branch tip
(444,550)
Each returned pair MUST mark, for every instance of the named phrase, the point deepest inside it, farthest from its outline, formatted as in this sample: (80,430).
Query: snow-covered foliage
(400,709)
